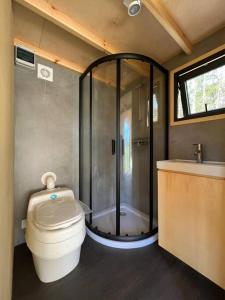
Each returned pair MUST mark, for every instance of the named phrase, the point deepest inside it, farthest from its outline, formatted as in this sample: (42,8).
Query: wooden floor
(105,273)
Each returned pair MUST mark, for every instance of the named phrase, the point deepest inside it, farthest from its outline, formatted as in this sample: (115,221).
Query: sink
(206,168)
(194,161)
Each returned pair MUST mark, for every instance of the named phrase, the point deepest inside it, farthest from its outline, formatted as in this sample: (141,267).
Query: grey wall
(211,134)
(46,133)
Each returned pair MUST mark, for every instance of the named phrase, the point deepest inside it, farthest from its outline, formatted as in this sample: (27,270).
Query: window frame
(203,66)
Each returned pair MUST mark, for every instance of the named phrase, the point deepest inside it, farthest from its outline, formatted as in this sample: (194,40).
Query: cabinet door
(191,221)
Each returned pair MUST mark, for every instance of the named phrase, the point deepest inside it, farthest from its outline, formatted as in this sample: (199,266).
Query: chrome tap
(198,153)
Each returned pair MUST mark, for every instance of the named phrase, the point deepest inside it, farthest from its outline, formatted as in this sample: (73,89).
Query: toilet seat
(56,214)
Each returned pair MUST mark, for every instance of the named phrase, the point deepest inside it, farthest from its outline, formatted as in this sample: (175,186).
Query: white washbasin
(207,168)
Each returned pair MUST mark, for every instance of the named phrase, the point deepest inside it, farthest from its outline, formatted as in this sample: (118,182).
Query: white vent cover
(45,73)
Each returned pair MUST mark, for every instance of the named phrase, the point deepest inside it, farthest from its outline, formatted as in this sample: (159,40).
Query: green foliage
(208,88)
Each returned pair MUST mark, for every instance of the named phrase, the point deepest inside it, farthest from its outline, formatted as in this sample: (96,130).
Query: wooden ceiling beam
(53,15)
(159,11)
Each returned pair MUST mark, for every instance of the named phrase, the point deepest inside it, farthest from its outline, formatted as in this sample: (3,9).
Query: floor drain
(122,213)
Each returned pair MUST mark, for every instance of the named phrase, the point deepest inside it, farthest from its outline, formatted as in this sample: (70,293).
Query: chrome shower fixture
(134,7)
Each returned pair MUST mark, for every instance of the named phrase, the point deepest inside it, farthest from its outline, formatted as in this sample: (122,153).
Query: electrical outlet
(23,223)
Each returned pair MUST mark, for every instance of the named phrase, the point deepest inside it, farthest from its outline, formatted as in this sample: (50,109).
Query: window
(155,106)
(126,121)
(200,88)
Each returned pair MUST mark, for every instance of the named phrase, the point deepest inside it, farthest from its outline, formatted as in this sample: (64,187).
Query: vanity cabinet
(191,212)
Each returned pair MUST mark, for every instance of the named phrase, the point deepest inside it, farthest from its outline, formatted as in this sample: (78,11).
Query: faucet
(198,153)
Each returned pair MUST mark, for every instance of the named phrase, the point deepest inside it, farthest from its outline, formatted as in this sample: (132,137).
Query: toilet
(55,232)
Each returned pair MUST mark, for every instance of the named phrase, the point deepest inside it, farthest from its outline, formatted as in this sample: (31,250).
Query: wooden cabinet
(192,221)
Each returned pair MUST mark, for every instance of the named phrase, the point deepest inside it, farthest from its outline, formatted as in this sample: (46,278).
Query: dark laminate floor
(106,273)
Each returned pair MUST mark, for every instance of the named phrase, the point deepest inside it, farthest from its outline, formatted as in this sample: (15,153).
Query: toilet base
(49,270)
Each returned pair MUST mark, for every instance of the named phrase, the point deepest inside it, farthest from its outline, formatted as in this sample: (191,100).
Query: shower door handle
(122,147)
(113,147)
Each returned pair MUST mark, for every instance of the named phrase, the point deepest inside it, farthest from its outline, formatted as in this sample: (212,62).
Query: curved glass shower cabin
(123,132)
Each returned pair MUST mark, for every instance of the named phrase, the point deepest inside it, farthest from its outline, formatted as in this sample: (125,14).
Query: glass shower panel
(85,143)
(104,147)
(159,132)
(135,148)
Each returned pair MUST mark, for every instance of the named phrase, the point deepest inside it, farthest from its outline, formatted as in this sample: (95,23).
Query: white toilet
(55,232)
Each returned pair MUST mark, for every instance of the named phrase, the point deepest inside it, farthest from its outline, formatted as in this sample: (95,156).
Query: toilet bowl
(55,232)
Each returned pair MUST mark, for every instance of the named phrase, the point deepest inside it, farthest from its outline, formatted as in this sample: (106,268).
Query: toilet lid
(54,214)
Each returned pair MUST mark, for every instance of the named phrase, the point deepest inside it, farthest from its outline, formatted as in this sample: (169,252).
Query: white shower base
(132,223)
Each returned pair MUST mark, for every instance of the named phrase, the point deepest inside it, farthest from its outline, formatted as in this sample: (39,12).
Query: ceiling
(197,18)
(109,21)
(33,29)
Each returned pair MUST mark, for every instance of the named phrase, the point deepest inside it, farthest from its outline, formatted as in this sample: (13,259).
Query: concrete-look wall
(212,133)
(46,133)
(6,150)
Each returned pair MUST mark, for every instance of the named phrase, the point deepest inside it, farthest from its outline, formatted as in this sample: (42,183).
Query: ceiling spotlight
(134,7)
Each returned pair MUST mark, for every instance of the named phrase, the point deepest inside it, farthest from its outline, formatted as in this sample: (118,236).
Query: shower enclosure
(123,132)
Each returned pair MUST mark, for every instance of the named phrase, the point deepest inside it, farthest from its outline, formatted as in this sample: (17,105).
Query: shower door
(104,148)
(123,132)
(135,149)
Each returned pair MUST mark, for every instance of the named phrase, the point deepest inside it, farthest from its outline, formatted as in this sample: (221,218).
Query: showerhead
(134,7)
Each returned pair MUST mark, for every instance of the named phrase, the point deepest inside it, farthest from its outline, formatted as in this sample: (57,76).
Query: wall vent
(45,73)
